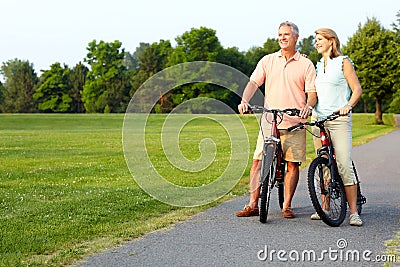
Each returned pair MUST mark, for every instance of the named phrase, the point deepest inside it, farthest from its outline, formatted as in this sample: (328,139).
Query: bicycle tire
(281,193)
(319,185)
(280,184)
(267,177)
(360,198)
(267,158)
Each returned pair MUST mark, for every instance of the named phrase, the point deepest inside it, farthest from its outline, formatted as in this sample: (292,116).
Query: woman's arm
(354,84)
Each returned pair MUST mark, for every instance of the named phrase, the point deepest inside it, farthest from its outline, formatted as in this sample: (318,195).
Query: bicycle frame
(326,148)
(272,163)
(326,145)
(273,141)
(328,151)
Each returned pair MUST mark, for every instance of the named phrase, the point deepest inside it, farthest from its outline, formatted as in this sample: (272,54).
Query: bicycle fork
(328,181)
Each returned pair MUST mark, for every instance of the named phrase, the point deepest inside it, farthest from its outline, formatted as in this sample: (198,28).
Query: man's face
(287,39)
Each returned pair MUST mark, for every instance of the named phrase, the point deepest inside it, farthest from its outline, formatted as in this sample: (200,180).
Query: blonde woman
(338,90)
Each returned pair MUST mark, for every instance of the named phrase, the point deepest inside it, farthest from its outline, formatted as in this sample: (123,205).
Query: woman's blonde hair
(331,35)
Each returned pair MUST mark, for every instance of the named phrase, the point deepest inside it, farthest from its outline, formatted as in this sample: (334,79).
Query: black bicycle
(325,185)
(273,166)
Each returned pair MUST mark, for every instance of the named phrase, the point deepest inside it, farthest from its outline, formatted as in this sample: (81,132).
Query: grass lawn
(66,191)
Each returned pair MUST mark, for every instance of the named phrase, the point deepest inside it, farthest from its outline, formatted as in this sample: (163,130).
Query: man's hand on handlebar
(243,107)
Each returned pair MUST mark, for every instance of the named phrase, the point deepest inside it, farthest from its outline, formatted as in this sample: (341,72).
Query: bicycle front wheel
(267,179)
(326,192)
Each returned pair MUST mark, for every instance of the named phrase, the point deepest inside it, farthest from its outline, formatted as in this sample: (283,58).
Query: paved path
(217,238)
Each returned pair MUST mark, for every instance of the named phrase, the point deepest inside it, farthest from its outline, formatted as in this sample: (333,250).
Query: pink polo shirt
(286,82)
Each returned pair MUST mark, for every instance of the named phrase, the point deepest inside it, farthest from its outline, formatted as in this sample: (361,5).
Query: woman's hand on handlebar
(343,111)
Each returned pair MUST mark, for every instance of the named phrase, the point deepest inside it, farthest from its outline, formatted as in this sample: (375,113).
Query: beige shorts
(293,146)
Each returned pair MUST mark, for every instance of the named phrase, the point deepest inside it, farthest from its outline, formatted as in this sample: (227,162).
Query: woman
(338,91)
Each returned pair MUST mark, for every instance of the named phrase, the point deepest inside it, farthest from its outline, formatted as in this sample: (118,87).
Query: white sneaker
(355,220)
(315,216)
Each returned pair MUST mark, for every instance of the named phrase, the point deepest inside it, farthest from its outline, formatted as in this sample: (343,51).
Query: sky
(47,31)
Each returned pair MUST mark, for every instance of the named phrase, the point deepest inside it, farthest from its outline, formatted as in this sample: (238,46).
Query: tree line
(108,76)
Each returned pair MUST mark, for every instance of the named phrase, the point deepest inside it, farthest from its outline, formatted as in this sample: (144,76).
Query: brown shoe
(247,212)
(288,213)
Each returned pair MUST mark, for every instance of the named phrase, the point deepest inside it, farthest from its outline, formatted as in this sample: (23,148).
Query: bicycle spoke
(328,197)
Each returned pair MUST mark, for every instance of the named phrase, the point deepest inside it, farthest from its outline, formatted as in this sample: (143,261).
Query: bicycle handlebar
(288,111)
(319,122)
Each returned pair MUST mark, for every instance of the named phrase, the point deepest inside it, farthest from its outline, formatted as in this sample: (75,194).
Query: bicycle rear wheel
(281,193)
(328,197)
(280,183)
(267,179)
(360,198)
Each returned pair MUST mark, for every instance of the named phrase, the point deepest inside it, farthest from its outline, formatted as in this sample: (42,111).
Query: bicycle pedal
(361,200)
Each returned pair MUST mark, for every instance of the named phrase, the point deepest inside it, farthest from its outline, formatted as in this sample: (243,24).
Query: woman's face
(322,44)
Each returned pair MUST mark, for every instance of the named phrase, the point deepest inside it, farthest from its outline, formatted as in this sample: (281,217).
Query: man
(289,82)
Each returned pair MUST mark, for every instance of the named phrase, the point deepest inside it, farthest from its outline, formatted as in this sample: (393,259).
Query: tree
(370,49)
(306,47)
(132,60)
(52,94)
(1,94)
(20,84)
(395,103)
(196,45)
(152,59)
(254,54)
(233,57)
(76,80)
(155,57)
(107,85)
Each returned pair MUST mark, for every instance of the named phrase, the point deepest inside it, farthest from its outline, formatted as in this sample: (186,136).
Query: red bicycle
(273,166)
(325,185)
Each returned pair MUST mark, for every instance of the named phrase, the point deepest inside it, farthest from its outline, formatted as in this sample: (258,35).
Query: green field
(66,190)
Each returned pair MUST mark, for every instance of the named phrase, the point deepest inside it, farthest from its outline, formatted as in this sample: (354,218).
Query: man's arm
(248,93)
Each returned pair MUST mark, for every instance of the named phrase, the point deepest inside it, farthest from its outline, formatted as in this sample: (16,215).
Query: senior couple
(291,80)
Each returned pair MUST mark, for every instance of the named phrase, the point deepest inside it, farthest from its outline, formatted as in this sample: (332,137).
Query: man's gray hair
(290,24)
